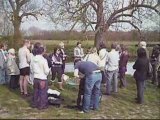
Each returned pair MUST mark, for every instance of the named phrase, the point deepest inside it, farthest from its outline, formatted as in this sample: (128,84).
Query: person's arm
(82,52)
(1,61)
(54,61)
(28,55)
(76,71)
(45,67)
(135,65)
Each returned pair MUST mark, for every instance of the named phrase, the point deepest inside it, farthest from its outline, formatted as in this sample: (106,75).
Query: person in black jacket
(142,67)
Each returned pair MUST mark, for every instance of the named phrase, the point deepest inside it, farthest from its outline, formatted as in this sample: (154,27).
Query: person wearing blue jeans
(93,78)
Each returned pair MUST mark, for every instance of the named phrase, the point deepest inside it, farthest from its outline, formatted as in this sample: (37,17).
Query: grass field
(116,106)
(69,46)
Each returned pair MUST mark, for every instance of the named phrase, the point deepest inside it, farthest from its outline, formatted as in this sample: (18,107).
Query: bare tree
(100,15)
(16,10)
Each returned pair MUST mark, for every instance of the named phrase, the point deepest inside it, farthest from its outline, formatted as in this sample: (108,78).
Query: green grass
(118,106)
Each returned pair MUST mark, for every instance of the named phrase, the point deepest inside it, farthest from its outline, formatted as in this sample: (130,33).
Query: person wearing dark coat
(142,67)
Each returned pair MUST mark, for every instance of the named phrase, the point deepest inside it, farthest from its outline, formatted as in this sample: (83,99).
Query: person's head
(56,50)
(102,46)
(113,46)
(3,46)
(11,52)
(38,49)
(123,47)
(27,43)
(89,50)
(143,44)
(61,45)
(79,44)
(118,48)
(141,53)
(94,50)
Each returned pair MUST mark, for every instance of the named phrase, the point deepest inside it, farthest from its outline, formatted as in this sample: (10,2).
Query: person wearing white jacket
(103,55)
(40,70)
(12,69)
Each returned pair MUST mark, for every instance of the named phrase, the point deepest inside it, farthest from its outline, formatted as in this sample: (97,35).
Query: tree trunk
(100,26)
(17,34)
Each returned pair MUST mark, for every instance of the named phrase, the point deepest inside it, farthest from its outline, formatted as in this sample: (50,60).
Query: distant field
(88,42)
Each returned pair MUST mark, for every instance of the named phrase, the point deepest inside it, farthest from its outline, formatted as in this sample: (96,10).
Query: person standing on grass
(92,84)
(57,67)
(13,70)
(112,65)
(78,53)
(142,68)
(40,70)
(63,55)
(3,64)
(123,65)
(154,62)
(24,63)
(103,54)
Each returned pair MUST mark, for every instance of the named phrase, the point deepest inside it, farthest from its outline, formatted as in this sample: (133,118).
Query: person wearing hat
(62,55)
(12,69)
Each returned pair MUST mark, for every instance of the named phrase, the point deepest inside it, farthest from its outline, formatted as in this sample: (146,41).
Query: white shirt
(112,60)
(78,52)
(93,58)
(103,54)
(39,67)
(24,57)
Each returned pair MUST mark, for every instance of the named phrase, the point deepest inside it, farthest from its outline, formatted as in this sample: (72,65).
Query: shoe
(52,81)
(81,112)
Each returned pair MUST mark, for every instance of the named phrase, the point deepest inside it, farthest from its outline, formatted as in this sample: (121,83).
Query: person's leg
(63,67)
(96,91)
(80,92)
(109,76)
(43,96)
(11,82)
(115,80)
(103,77)
(141,92)
(21,80)
(2,76)
(53,70)
(59,76)
(25,84)
(36,85)
(89,83)
(154,74)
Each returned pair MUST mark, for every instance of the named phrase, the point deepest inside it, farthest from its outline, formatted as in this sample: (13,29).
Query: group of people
(96,67)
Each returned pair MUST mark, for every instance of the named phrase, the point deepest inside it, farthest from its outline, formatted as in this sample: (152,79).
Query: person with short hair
(142,67)
(92,84)
(3,64)
(13,70)
(57,67)
(124,56)
(103,54)
(40,70)
(78,53)
(24,63)
(112,65)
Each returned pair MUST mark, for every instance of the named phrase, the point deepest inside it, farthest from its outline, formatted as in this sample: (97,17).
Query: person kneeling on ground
(93,78)
(40,70)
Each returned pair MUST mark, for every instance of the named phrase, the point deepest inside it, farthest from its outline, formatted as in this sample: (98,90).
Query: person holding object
(92,84)
(40,70)
(24,63)
(13,70)
(57,67)
(78,53)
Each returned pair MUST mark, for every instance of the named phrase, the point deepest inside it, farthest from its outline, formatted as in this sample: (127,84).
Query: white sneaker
(81,112)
